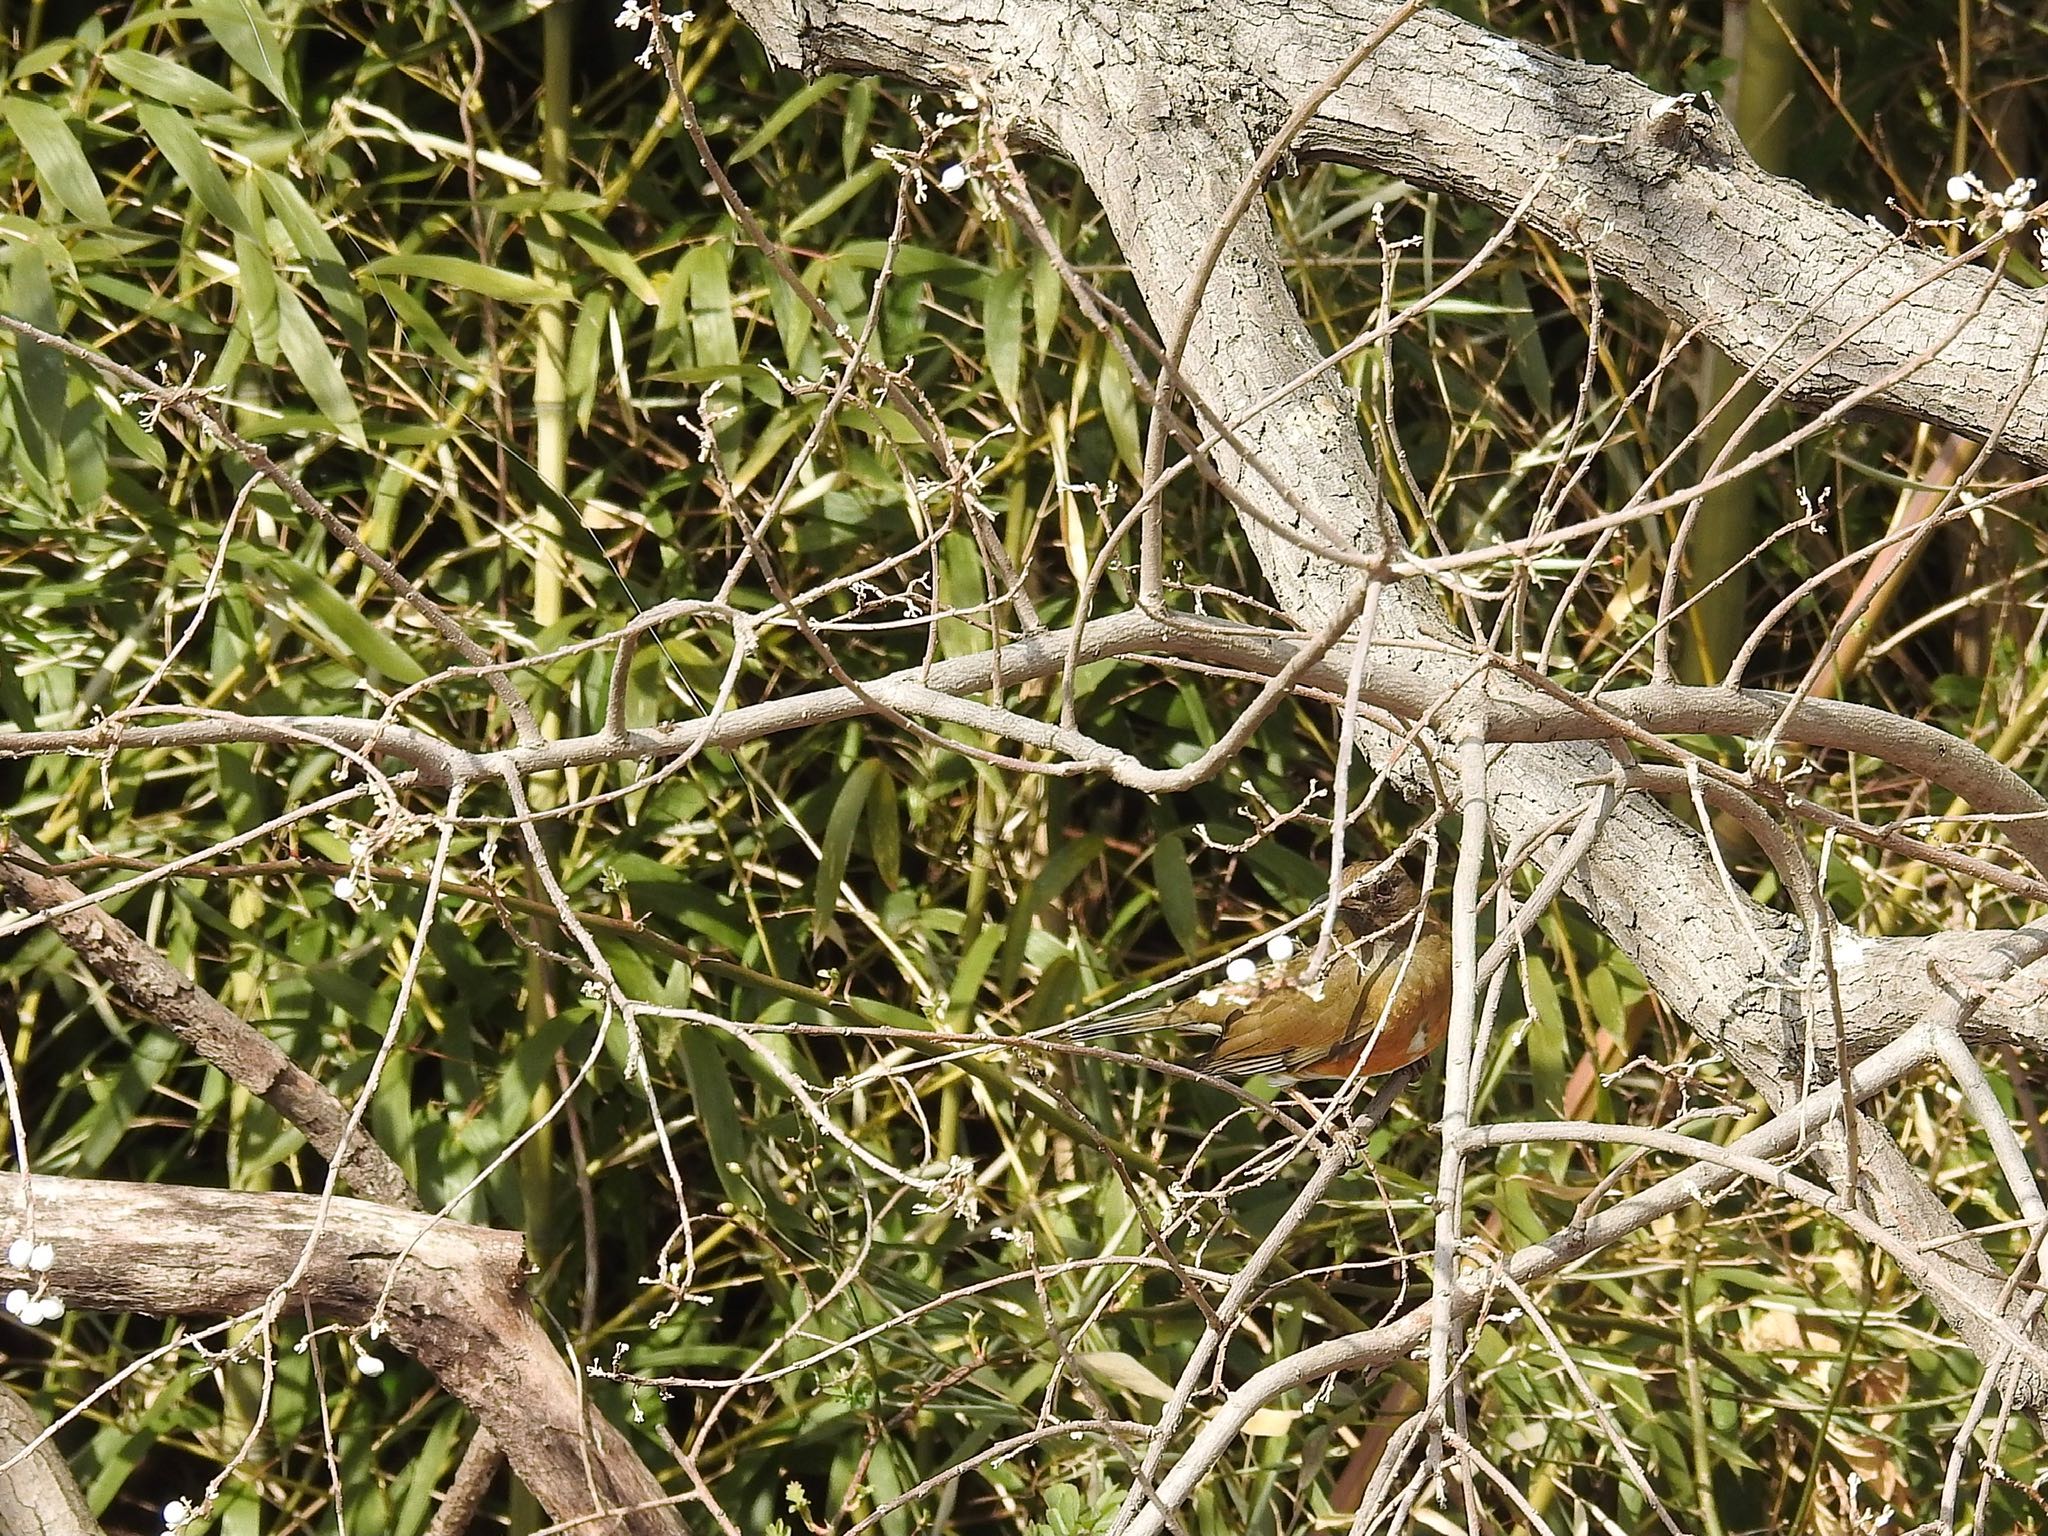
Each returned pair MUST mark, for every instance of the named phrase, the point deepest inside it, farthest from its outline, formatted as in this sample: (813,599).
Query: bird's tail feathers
(1137,1021)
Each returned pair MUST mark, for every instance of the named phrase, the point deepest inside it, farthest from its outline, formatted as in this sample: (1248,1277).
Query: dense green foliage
(346,222)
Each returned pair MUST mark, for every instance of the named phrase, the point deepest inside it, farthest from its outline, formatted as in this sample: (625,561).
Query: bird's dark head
(1377,895)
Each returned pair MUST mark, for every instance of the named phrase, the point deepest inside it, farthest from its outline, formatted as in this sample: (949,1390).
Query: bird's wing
(1271,1023)
(1403,1000)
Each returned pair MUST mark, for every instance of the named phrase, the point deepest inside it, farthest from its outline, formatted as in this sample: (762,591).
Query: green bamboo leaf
(14,700)
(38,378)
(85,452)
(1057,994)
(306,350)
(61,169)
(1120,409)
(799,104)
(1545,1040)
(52,55)
(143,301)
(837,844)
(390,1120)
(885,831)
(246,35)
(762,452)
(1525,341)
(972,972)
(530,1068)
(963,582)
(418,1487)
(838,198)
(116,1450)
(259,298)
(1193,714)
(792,319)
(912,261)
(671,341)
(139,441)
(718,1113)
(1603,992)
(470,276)
(586,352)
(349,635)
(1003,333)
(117,1103)
(1174,881)
(167,80)
(1511,1195)
(418,322)
(309,238)
(890,1471)
(1048,296)
(607,253)
(853,130)
(713,330)
(188,155)
(1068,860)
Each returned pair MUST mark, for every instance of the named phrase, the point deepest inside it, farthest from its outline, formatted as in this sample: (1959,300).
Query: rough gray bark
(1769,273)
(38,1496)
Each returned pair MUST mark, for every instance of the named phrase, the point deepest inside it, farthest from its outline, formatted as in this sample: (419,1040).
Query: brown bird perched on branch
(1382,1001)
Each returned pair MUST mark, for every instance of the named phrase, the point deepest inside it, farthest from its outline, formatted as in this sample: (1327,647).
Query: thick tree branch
(38,1495)
(449,1294)
(1667,201)
(161,993)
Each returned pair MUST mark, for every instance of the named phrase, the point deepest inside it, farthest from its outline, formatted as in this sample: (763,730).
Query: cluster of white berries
(367,1363)
(957,175)
(1279,950)
(177,1513)
(2012,207)
(356,887)
(32,1309)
